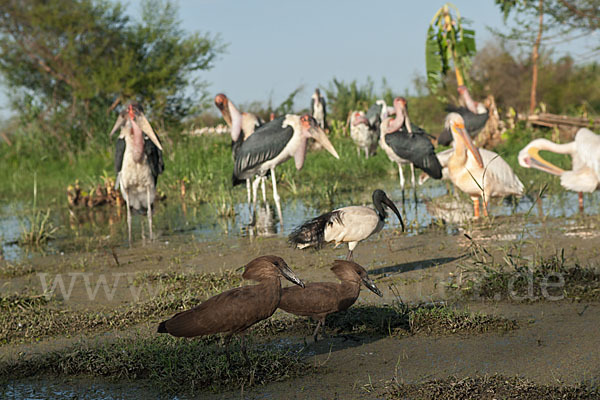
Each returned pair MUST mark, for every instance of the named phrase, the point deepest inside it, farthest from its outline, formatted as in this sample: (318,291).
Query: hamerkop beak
(290,275)
(371,286)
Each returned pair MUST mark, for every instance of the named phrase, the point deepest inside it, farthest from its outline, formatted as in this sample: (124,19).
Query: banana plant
(448,42)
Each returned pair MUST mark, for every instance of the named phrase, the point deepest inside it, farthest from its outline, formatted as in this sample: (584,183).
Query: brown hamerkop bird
(237,309)
(319,299)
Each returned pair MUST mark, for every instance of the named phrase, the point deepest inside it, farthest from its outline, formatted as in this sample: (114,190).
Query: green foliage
(447,41)
(68,63)
(564,86)
(345,97)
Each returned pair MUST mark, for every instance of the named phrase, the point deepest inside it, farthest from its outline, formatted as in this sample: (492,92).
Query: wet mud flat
(550,342)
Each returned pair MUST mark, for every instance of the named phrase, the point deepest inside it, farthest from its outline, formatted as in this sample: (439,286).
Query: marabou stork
(318,109)
(345,225)
(319,299)
(234,311)
(475,115)
(246,123)
(585,155)
(406,143)
(138,162)
(472,169)
(242,125)
(273,143)
(364,135)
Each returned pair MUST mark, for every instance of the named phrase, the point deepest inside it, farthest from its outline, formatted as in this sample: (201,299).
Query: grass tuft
(487,388)
(172,365)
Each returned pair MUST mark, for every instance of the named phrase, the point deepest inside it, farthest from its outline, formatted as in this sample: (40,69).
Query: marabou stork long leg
(249,197)
(580,197)
(149,213)
(401,175)
(412,173)
(254,195)
(276,198)
(128,216)
(264,189)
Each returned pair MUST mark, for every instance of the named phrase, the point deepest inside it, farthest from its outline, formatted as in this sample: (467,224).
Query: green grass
(171,365)
(205,164)
(31,318)
(538,278)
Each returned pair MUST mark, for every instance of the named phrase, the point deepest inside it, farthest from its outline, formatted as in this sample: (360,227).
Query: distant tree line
(68,63)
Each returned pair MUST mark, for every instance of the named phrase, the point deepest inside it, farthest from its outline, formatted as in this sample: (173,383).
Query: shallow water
(202,223)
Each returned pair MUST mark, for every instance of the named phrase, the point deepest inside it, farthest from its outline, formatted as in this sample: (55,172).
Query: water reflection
(173,217)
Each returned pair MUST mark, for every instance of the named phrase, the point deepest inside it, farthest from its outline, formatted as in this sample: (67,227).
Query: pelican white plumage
(345,225)
(585,154)
(471,169)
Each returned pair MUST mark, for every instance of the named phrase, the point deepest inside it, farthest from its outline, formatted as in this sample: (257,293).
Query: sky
(275,46)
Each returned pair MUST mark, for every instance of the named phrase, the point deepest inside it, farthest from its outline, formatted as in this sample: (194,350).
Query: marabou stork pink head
(359,118)
(311,129)
(400,109)
(133,117)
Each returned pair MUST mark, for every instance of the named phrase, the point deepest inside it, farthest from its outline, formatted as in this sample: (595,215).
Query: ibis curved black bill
(392,207)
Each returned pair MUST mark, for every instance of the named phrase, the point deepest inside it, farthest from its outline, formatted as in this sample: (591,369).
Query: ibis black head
(380,198)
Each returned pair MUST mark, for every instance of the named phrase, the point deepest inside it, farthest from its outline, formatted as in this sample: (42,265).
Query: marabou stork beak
(147,129)
(290,275)
(319,135)
(536,161)
(386,200)
(118,124)
(459,129)
(371,286)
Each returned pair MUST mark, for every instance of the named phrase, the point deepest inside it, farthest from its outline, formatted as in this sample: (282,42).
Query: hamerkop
(319,299)
(237,309)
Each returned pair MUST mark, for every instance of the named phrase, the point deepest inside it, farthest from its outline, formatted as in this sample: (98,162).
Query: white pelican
(345,225)
(585,154)
(472,170)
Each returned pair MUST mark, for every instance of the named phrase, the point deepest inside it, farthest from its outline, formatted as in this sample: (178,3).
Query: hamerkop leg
(316,332)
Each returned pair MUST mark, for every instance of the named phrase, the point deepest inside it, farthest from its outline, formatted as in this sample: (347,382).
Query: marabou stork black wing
(374,116)
(417,149)
(324,111)
(473,123)
(263,145)
(312,106)
(119,152)
(154,157)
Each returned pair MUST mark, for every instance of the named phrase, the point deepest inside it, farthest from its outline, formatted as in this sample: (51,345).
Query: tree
(67,63)
(562,18)
(448,42)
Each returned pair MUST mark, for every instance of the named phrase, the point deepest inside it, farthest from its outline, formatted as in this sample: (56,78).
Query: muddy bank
(555,342)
